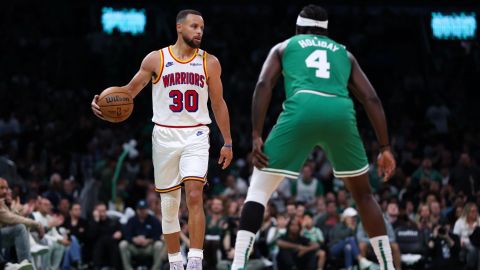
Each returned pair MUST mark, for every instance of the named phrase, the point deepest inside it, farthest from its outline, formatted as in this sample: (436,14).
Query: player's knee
(258,196)
(194,198)
(170,203)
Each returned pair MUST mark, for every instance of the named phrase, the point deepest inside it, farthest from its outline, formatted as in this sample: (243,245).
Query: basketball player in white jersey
(184,77)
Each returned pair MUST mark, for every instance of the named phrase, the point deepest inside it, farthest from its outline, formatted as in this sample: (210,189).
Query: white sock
(243,248)
(381,246)
(195,253)
(175,257)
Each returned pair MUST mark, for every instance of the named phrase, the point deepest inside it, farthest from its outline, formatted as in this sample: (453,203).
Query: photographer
(444,248)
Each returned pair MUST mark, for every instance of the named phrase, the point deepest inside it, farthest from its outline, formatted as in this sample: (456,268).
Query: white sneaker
(176,266)
(364,263)
(23,265)
(37,249)
(194,264)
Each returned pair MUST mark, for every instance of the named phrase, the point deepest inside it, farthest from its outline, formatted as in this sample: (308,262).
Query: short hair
(182,14)
(316,13)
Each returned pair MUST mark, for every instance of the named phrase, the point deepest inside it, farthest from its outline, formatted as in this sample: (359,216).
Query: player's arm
(271,70)
(219,108)
(363,90)
(149,68)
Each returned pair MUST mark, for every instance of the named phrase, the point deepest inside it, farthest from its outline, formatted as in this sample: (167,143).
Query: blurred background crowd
(58,161)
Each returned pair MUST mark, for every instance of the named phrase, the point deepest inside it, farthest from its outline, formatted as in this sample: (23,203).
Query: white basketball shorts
(179,155)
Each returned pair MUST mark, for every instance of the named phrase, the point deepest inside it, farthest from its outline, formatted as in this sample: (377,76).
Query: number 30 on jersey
(187,100)
(318,60)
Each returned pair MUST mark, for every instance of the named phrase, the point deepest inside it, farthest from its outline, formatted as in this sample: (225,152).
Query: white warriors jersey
(180,92)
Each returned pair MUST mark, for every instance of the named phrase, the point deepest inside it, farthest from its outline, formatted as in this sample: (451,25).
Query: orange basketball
(116,104)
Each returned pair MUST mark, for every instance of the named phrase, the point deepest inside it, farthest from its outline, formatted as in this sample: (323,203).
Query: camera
(442,230)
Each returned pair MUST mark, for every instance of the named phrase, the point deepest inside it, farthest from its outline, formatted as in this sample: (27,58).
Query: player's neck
(182,50)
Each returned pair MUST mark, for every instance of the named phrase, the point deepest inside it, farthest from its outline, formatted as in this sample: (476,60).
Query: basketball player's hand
(226,156)
(259,159)
(96,108)
(386,164)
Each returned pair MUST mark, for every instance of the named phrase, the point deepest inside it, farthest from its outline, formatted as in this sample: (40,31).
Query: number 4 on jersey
(318,60)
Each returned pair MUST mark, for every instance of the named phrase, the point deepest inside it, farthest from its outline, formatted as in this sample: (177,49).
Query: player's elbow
(373,99)
(263,85)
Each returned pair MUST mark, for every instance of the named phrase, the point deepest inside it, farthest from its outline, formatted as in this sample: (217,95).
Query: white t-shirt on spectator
(463,230)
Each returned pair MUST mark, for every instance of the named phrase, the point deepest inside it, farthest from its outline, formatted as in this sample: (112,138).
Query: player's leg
(371,217)
(193,170)
(287,149)
(196,222)
(170,203)
(262,185)
(166,157)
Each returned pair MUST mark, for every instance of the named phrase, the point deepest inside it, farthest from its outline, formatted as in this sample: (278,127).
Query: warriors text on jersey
(180,92)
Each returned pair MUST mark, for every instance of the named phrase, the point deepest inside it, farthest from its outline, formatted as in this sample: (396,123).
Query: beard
(191,42)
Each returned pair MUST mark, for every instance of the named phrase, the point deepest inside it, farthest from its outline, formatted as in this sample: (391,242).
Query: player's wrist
(384,147)
(256,134)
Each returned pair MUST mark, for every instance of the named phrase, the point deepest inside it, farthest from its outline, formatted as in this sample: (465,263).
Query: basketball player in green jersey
(318,110)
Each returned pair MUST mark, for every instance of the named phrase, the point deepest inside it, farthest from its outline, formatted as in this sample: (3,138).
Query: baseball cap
(142,204)
(349,212)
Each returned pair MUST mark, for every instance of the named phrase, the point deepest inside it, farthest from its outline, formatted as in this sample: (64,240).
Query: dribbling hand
(96,108)
(226,156)
(259,159)
(386,164)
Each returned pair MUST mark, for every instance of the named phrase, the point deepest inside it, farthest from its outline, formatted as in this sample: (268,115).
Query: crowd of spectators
(58,160)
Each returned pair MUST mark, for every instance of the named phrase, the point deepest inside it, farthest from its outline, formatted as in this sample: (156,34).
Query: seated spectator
(425,173)
(142,238)
(216,227)
(75,224)
(64,207)
(274,233)
(436,214)
(320,207)
(307,187)
(342,241)
(54,193)
(424,222)
(299,211)
(463,173)
(291,209)
(296,251)
(14,231)
(329,219)
(103,237)
(392,214)
(365,246)
(55,241)
(411,241)
(463,228)
(76,228)
(444,248)
(315,235)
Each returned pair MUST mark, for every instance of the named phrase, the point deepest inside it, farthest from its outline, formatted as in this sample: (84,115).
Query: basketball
(116,104)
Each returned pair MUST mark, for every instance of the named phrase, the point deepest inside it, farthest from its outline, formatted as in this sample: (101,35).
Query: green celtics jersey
(314,62)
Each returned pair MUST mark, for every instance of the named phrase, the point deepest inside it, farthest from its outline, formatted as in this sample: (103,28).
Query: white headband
(301,21)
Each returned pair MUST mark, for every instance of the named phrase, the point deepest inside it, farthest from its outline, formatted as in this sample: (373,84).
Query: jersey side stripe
(205,64)
(161,67)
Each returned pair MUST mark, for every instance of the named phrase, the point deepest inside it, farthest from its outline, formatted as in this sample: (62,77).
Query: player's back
(317,63)
(180,93)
